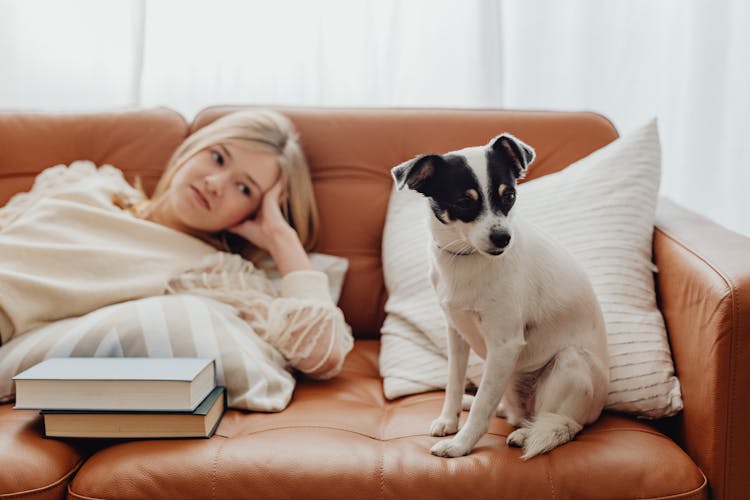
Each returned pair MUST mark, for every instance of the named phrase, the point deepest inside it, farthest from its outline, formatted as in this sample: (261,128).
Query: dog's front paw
(518,437)
(450,448)
(442,426)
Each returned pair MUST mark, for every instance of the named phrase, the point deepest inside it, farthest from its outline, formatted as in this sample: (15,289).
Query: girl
(83,238)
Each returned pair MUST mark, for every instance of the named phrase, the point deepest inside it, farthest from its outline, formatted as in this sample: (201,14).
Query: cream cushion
(601,209)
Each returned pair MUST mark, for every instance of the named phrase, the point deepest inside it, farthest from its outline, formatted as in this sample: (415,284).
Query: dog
(515,297)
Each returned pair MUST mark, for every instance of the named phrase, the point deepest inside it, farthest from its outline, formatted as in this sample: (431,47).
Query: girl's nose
(212,184)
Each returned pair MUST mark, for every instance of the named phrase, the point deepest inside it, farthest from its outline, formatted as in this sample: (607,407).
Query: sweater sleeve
(301,321)
(57,179)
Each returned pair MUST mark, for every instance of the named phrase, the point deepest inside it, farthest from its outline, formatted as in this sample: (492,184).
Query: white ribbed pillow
(601,209)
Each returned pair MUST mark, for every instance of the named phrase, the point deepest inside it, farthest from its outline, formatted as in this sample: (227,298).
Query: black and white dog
(514,296)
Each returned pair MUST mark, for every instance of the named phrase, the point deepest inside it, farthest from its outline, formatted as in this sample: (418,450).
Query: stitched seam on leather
(44,489)
(382,438)
(381,461)
(381,469)
(286,427)
(547,461)
(72,494)
(667,234)
(589,431)
(438,397)
(696,493)
(731,292)
(214,475)
(733,366)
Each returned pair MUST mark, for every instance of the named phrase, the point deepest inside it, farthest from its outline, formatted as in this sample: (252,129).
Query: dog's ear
(414,173)
(518,152)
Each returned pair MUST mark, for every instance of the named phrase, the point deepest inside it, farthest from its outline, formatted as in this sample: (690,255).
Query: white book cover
(136,384)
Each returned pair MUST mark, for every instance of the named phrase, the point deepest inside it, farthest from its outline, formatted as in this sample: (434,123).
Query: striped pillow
(602,210)
(254,373)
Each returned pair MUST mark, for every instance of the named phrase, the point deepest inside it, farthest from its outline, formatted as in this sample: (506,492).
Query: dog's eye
(509,196)
(464,202)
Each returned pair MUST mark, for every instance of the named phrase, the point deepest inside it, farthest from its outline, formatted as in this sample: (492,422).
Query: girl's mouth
(200,198)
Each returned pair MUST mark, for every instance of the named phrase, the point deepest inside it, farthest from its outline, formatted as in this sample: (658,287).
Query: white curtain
(321,53)
(685,61)
(76,55)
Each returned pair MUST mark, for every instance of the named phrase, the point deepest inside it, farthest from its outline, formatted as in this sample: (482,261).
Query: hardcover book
(133,384)
(201,422)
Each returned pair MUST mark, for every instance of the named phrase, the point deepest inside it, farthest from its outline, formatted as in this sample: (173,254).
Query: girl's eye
(244,189)
(217,157)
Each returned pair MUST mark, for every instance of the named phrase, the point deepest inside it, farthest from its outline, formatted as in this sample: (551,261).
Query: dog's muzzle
(500,239)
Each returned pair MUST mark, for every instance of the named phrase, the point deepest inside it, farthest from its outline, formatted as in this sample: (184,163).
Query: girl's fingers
(273,195)
(268,217)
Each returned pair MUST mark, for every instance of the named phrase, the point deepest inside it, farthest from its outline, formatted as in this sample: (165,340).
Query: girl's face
(219,187)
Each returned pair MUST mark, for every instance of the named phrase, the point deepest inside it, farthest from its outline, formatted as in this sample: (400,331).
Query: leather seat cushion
(342,439)
(30,464)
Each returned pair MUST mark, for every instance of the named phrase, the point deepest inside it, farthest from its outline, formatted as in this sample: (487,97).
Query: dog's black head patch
(448,181)
(507,161)
(451,183)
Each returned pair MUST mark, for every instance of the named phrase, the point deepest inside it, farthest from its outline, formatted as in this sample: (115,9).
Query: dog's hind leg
(570,393)
(458,359)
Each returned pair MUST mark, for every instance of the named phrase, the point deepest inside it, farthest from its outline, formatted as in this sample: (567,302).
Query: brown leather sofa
(341,438)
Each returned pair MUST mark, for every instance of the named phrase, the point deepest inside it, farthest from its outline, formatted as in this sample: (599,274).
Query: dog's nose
(500,238)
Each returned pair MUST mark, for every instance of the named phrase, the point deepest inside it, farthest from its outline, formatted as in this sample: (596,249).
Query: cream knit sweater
(66,250)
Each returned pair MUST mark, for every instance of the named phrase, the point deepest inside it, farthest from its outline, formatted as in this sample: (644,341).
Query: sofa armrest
(704,288)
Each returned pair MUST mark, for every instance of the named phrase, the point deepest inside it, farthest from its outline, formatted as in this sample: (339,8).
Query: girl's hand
(269,227)
(270,231)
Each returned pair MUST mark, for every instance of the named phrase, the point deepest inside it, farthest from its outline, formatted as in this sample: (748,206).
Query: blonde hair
(267,130)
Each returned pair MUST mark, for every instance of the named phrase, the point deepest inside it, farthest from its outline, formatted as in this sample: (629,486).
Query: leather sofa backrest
(351,152)
(137,141)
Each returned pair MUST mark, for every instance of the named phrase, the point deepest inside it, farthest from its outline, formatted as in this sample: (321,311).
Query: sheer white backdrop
(685,61)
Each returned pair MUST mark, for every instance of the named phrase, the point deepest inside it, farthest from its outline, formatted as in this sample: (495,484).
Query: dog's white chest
(456,292)
(477,296)
(466,323)
(458,282)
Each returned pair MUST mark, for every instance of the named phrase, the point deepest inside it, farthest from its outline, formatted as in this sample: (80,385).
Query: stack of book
(123,397)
